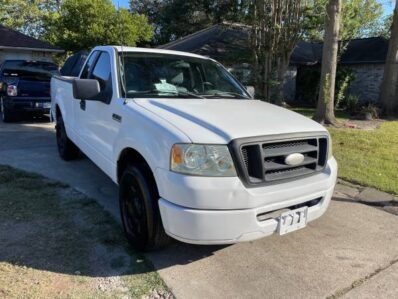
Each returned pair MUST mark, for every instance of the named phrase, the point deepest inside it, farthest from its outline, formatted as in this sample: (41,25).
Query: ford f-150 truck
(196,158)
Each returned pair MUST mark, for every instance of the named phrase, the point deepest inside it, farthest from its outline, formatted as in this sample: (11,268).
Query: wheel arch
(129,156)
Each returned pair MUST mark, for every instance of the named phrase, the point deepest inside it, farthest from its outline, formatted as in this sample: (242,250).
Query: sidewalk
(347,191)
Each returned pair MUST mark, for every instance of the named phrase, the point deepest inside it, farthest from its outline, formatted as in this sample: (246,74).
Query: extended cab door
(97,126)
(79,108)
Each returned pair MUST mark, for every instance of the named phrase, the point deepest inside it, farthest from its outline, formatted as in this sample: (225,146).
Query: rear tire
(6,114)
(139,209)
(66,148)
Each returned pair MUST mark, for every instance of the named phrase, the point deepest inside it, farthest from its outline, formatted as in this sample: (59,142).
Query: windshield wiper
(187,93)
(157,92)
(226,94)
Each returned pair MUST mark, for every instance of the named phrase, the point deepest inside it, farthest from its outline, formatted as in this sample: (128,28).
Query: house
(365,58)
(15,45)
(229,44)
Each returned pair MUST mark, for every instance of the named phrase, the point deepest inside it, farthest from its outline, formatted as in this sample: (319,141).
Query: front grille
(264,162)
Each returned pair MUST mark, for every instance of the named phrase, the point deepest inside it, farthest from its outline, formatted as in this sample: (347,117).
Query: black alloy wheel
(66,148)
(139,209)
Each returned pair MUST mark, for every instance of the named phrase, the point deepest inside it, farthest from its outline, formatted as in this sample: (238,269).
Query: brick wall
(366,86)
(367,83)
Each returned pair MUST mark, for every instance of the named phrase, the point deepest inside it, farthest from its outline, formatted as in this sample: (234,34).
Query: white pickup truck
(196,158)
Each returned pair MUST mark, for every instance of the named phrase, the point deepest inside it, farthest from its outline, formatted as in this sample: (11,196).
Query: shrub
(372,109)
(344,78)
(350,103)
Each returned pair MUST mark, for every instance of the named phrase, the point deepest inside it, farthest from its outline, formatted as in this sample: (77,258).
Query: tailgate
(32,88)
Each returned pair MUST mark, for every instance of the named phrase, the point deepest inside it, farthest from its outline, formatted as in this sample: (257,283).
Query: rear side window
(88,66)
(74,64)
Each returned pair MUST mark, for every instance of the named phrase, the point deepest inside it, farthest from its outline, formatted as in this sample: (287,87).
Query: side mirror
(251,91)
(85,89)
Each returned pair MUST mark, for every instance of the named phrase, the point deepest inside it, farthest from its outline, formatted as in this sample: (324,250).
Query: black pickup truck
(25,87)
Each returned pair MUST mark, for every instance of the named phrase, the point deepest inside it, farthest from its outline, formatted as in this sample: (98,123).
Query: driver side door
(97,129)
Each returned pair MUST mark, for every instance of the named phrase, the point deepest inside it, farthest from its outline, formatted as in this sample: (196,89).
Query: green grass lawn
(366,157)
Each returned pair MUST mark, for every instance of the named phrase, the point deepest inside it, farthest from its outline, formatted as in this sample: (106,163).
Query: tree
(290,31)
(358,19)
(173,19)
(27,17)
(153,10)
(325,108)
(275,30)
(383,28)
(83,24)
(389,87)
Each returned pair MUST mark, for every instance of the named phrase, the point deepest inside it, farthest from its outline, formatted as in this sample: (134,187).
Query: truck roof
(151,50)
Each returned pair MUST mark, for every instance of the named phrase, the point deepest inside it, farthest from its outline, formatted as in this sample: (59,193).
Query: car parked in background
(25,88)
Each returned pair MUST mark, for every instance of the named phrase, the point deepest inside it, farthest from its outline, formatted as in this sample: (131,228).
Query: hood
(218,121)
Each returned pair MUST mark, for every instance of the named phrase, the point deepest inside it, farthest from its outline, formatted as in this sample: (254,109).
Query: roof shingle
(13,39)
(231,43)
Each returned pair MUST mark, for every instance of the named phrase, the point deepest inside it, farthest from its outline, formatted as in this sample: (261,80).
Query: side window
(89,65)
(102,71)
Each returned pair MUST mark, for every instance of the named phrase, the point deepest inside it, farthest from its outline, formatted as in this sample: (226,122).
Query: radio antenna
(124,82)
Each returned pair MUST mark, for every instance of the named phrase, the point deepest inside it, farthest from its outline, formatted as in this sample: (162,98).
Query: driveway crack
(361,281)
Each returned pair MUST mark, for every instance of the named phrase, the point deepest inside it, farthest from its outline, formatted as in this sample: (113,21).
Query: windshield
(160,75)
(33,70)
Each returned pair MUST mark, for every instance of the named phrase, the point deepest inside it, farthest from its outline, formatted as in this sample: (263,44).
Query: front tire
(6,114)
(66,148)
(139,209)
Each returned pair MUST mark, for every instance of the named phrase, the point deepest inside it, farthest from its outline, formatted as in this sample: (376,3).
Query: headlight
(330,148)
(203,160)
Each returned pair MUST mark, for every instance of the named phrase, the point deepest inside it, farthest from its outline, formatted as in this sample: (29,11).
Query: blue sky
(388,4)
(122,3)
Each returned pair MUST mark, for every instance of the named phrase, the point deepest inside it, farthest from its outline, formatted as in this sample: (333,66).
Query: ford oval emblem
(294,159)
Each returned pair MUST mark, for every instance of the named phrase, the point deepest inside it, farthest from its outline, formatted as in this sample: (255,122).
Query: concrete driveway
(350,252)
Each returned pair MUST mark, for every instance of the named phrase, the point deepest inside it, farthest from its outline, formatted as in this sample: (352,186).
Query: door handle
(83,105)
(117,117)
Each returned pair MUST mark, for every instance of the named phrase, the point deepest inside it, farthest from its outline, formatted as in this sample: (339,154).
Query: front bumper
(28,104)
(227,226)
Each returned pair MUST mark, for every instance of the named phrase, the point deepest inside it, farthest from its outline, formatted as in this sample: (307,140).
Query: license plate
(292,220)
(44,105)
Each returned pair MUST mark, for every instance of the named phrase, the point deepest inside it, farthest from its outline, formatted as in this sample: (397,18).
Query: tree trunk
(389,87)
(267,78)
(283,64)
(275,29)
(325,109)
